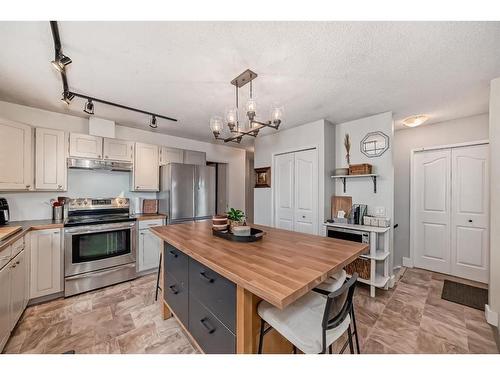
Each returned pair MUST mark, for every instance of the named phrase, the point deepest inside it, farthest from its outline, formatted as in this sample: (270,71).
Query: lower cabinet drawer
(215,292)
(210,334)
(176,296)
(176,263)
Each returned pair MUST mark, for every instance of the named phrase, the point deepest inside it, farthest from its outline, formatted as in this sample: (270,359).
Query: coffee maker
(4,211)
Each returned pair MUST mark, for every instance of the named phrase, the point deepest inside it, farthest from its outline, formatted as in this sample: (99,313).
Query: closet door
(306,192)
(432,211)
(470,213)
(284,191)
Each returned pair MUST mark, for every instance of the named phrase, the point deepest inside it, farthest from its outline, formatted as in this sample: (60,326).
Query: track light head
(60,62)
(89,107)
(67,97)
(153,123)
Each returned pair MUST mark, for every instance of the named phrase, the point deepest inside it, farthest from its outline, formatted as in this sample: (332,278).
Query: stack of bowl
(219,222)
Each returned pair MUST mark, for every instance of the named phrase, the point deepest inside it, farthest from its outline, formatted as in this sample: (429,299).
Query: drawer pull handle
(204,276)
(173,253)
(210,329)
(173,289)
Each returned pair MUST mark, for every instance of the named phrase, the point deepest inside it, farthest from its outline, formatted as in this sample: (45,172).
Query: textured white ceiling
(335,70)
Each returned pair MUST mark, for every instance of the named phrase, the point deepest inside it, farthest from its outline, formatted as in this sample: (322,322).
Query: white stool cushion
(334,282)
(300,323)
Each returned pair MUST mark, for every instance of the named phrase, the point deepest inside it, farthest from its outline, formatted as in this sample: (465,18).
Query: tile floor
(410,318)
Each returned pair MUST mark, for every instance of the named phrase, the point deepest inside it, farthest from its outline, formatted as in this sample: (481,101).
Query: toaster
(4,211)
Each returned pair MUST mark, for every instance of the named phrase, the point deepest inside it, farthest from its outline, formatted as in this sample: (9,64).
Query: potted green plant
(236,218)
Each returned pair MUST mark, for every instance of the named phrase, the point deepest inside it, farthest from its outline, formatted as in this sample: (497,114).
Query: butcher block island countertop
(280,269)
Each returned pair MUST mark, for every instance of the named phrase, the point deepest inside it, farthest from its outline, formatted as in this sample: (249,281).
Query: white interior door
(284,191)
(306,192)
(470,213)
(432,212)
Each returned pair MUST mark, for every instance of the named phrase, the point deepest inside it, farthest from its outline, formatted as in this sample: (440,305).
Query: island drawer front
(177,297)
(210,334)
(176,263)
(215,292)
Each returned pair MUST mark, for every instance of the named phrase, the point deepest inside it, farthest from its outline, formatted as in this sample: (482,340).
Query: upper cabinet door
(50,159)
(15,156)
(115,149)
(195,157)
(146,168)
(171,155)
(85,146)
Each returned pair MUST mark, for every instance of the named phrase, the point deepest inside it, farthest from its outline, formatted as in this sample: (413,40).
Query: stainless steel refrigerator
(187,192)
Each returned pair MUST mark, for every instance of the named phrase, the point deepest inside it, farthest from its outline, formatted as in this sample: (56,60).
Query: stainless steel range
(100,244)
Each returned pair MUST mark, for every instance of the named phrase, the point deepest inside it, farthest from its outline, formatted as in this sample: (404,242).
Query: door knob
(470,220)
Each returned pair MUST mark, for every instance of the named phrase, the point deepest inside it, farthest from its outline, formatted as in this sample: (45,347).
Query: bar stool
(158,287)
(333,283)
(313,323)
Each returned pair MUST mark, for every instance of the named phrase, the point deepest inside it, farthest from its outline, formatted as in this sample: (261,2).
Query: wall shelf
(345,177)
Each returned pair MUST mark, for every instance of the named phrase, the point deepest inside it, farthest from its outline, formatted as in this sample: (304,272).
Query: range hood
(94,164)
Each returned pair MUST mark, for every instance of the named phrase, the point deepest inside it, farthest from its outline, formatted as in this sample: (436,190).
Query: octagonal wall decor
(374,144)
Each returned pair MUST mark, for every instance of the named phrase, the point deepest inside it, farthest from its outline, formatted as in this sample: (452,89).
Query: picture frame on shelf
(263,177)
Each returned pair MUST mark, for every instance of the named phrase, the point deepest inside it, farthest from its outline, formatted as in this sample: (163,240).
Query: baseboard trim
(407,262)
(491,316)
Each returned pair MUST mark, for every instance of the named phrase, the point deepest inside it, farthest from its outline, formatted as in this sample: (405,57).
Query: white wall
(298,138)
(31,205)
(466,129)
(361,190)
(494,129)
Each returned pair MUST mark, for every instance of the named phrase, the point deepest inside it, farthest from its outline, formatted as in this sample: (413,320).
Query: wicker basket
(360,169)
(150,206)
(361,266)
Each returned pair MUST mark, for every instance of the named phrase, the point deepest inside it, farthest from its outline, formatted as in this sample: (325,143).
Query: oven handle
(99,273)
(100,229)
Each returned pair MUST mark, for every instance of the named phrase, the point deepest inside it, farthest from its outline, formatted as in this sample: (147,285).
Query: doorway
(450,210)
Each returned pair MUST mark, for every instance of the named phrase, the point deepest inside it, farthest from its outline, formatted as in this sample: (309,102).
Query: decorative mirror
(374,144)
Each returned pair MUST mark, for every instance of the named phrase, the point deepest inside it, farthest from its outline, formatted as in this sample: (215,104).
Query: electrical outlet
(380,211)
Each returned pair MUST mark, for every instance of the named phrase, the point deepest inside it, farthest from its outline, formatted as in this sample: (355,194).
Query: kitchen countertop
(280,268)
(142,217)
(26,226)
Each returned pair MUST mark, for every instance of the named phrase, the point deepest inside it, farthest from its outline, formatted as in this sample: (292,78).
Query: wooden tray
(255,235)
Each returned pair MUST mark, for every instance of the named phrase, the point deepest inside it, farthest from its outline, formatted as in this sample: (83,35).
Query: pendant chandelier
(236,127)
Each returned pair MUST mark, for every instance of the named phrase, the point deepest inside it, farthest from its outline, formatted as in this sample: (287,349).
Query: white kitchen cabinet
(171,155)
(149,247)
(50,159)
(46,263)
(116,149)
(5,305)
(16,171)
(195,157)
(146,172)
(85,146)
(18,287)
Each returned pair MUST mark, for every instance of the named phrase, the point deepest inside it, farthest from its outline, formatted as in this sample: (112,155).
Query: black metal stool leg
(158,279)
(330,349)
(261,336)
(351,345)
(355,329)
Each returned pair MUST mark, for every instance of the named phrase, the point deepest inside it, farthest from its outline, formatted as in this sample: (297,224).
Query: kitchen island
(213,286)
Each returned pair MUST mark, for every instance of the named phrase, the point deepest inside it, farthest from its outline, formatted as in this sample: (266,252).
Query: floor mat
(464,294)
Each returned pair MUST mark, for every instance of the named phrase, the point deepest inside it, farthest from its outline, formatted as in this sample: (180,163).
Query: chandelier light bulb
(276,115)
(232,118)
(216,125)
(251,108)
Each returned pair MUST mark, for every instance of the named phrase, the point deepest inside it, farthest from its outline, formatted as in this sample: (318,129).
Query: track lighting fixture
(153,123)
(60,62)
(67,97)
(89,107)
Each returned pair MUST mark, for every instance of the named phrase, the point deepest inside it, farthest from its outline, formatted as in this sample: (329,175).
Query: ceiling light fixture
(153,123)
(61,62)
(414,121)
(89,107)
(67,97)
(232,115)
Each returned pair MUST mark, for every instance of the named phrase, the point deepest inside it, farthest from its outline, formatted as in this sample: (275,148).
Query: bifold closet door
(432,210)
(284,197)
(306,192)
(296,191)
(470,213)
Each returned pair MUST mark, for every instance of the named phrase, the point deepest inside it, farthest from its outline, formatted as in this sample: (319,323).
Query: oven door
(95,247)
